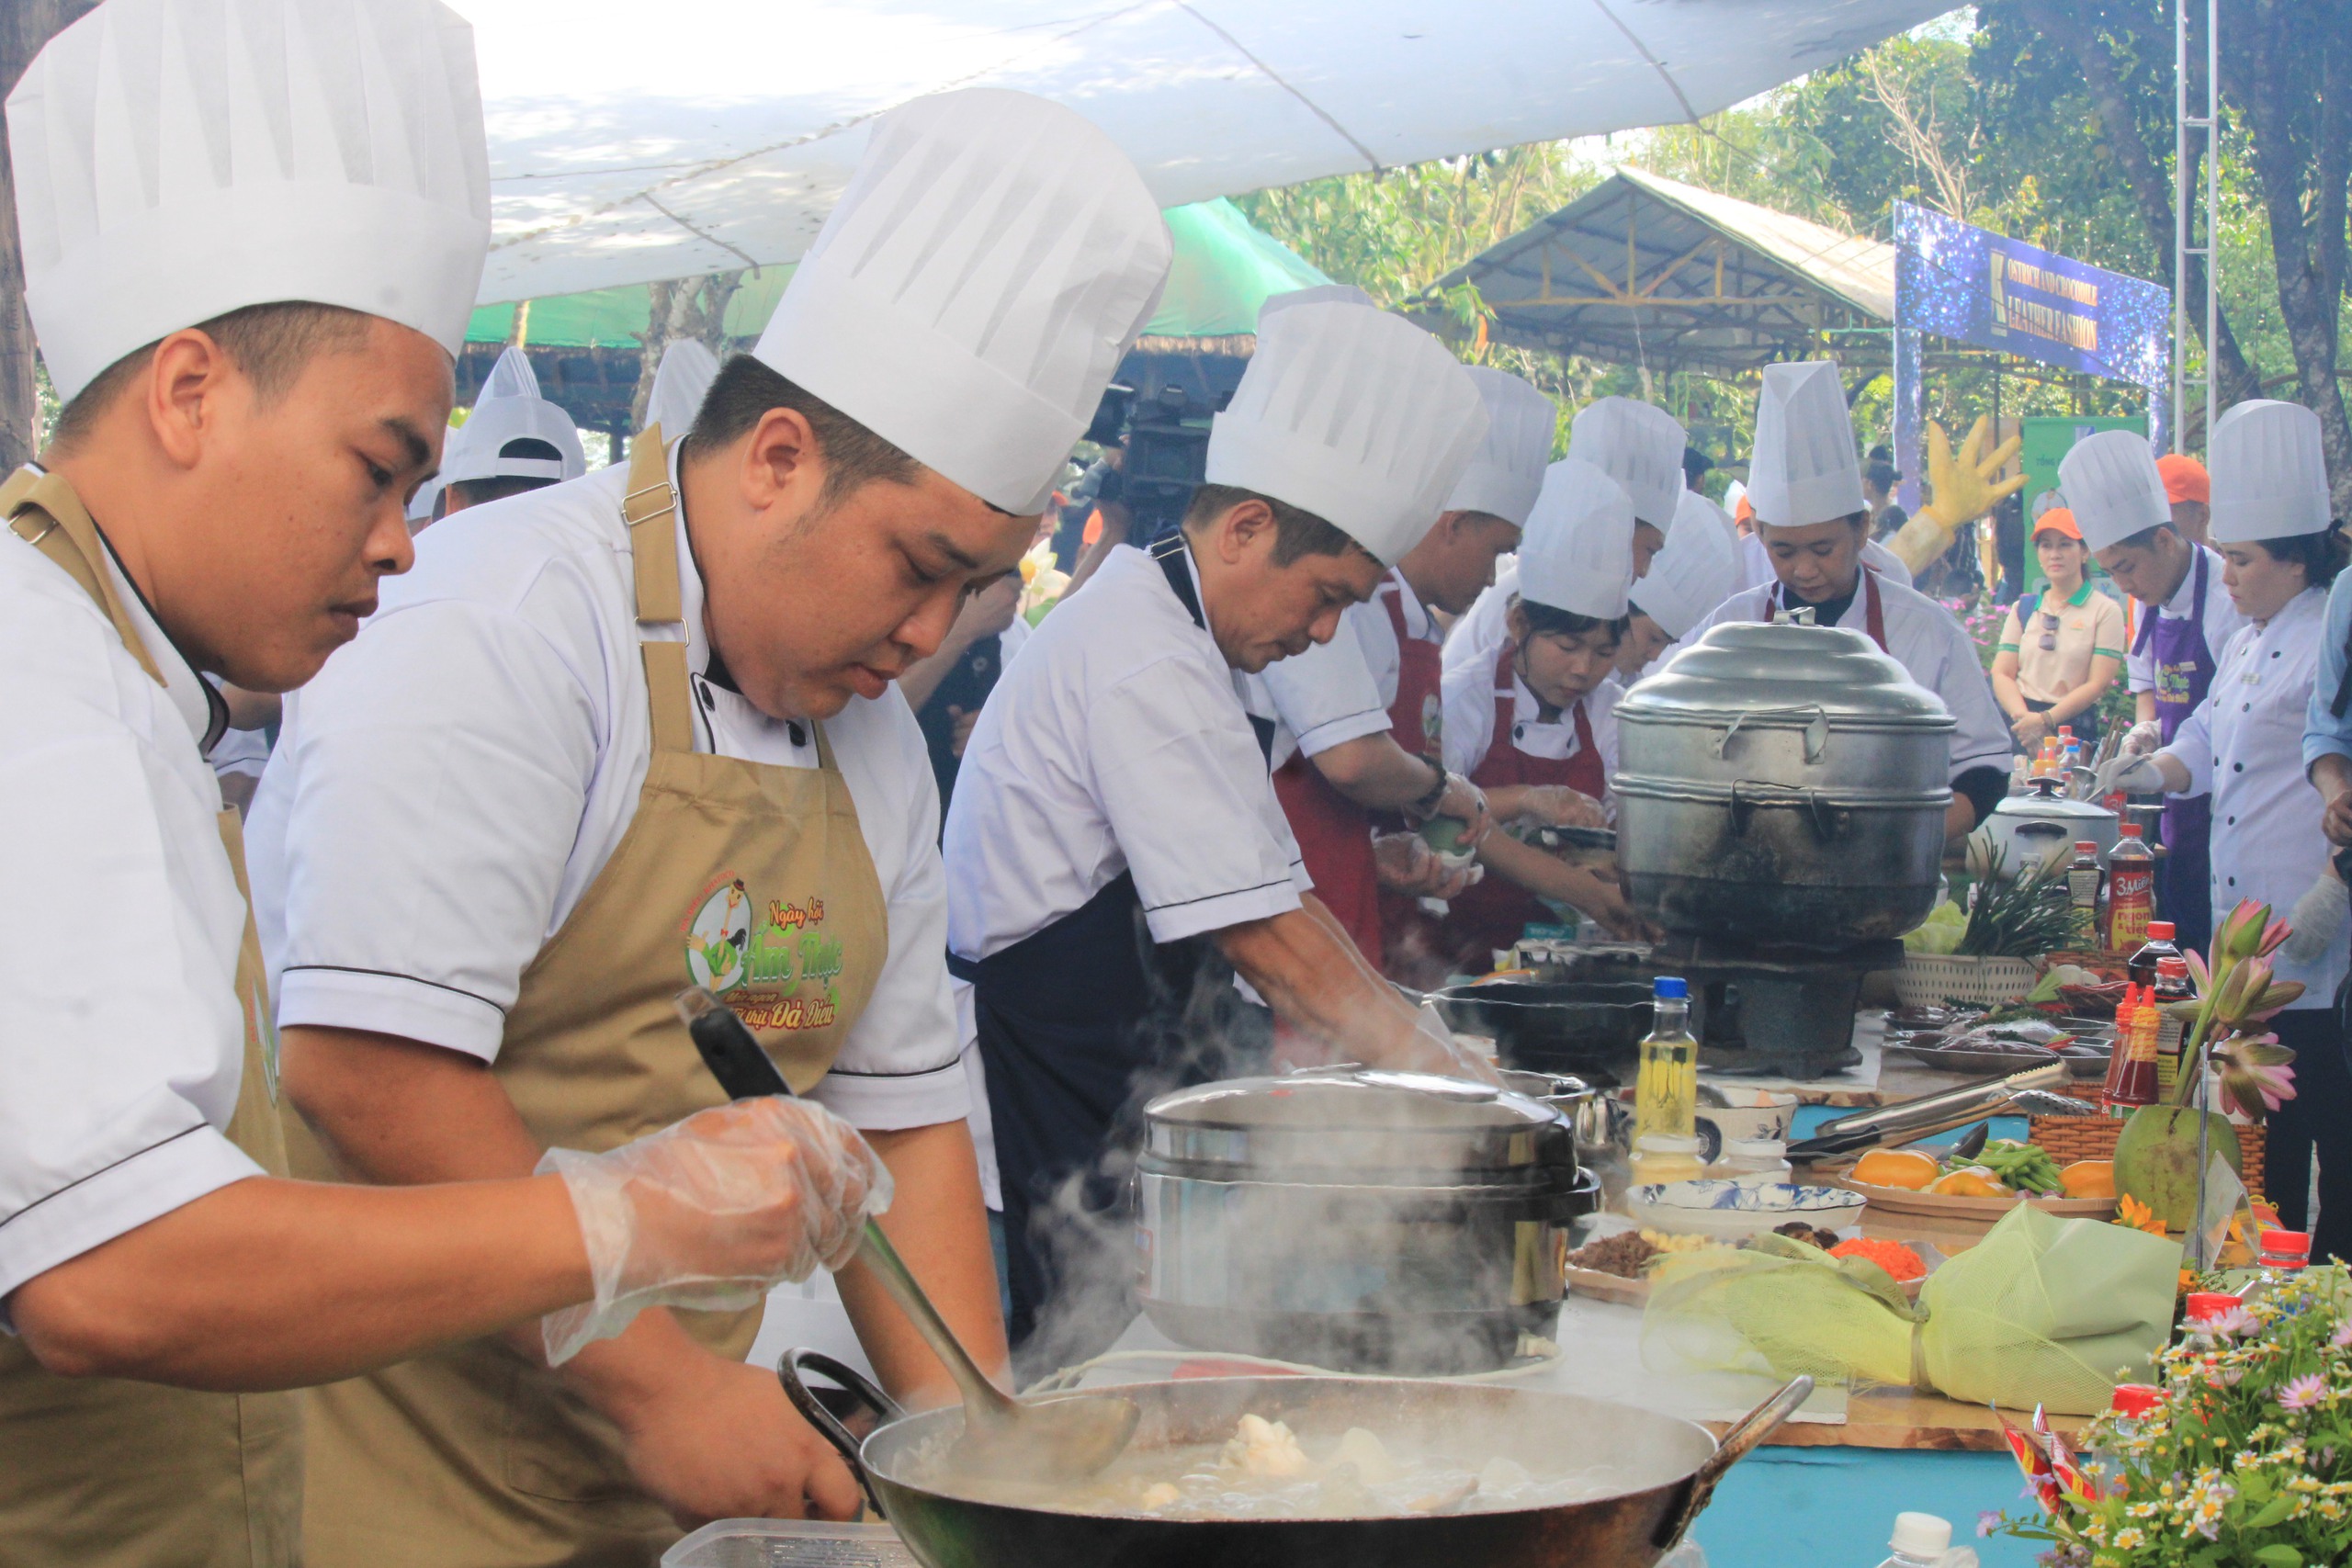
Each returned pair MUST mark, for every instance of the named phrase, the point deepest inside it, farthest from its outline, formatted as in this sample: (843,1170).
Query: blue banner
(1959,281)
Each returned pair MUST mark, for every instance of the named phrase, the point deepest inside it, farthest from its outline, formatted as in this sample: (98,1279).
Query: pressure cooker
(1357,1219)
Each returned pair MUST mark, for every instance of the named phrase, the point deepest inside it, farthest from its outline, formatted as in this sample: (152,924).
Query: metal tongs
(1911,1120)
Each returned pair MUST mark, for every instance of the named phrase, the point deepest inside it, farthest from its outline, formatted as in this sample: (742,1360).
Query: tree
(682,307)
(25,26)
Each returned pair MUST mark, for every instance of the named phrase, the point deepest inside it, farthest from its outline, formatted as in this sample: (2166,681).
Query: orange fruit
(2089,1179)
(1968,1181)
(1896,1168)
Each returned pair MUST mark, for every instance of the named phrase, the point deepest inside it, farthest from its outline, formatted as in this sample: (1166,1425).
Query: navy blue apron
(1079,1026)
(2184,673)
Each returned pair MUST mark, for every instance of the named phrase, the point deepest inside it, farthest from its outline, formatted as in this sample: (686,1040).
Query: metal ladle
(1061,1437)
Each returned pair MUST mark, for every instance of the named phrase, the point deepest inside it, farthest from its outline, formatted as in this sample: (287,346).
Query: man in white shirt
(1113,809)
(255,368)
(2186,618)
(1357,742)
(636,733)
(1806,483)
(1697,569)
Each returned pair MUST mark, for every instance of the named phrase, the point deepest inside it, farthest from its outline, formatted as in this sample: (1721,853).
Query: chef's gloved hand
(714,1212)
(2141,739)
(1560,806)
(2318,919)
(2132,775)
(1405,864)
(1467,803)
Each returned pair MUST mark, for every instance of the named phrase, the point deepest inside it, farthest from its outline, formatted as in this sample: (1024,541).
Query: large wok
(1669,1469)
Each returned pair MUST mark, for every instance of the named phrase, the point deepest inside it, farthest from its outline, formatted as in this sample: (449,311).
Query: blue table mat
(1836,1508)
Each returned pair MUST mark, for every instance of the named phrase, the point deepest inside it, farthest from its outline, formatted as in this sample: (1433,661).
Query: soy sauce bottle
(2142,964)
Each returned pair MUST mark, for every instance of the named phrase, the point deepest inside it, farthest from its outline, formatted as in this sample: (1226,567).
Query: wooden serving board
(1904,1419)
(1984,1212)
(1636,1292)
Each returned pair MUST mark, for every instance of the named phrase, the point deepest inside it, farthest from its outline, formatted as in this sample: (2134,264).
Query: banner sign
(1959,281)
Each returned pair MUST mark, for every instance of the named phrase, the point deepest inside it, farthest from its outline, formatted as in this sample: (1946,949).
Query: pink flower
(2303,1392)
(2342,1337)
(2255,1072)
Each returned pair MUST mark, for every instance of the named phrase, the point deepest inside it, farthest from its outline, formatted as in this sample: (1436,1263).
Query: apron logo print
(1433,722)
(779,976)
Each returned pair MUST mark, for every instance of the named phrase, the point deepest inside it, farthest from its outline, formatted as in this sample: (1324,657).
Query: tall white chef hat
(2270,475)
(967,300)
(508,411)
(176,160)
(685,373)
(1638,444)
(1805,470)
(1577,554)
(1320,294)
(1506,474)
(1697,569)
(2112,486)
(1353,415)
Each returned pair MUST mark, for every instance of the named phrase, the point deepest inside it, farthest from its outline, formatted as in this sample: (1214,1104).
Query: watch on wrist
(1427,806)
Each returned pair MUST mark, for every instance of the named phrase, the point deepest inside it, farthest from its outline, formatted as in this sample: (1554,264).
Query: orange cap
(1743,511)
(2058,520)
(2185,478)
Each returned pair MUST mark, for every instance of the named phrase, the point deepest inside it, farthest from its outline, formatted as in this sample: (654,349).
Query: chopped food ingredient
(2025,1168)
(1665,1242)
(2089,1179)
(1266,1447)
(1891,1255)
(1812,1235)
(1621,1254)
(1968,1181)
(1907,1168)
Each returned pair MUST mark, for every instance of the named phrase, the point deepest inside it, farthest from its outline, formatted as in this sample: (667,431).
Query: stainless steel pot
(2030,828)
(1356,1219)
(1785,784)
(1667,1470)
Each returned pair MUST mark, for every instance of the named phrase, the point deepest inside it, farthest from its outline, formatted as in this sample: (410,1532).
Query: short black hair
(1544,620)
(746,390)
(2146,539)
(271,344)
(1297,532)
(2321,555)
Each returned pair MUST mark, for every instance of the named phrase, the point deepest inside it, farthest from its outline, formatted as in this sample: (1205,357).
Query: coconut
(2156,1158)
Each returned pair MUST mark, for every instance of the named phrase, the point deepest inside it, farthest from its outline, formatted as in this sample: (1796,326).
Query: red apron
(1334,833)
(1873,614)
(1493,914)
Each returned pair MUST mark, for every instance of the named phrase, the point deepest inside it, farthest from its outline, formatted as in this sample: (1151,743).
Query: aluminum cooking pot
(1665,1470)
(1782,784)
(1357,1219)
(2044,823)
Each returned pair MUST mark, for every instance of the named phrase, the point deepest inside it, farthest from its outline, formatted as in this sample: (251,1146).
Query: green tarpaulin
(1224,270)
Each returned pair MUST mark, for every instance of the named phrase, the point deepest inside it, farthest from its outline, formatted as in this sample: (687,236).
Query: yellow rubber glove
(1963,489)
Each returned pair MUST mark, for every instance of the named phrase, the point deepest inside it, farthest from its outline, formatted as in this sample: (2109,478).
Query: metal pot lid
(2042,803)
(1357,1119)
(1783,674)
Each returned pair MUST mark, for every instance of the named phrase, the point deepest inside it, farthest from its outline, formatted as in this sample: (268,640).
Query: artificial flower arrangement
(2245,1458)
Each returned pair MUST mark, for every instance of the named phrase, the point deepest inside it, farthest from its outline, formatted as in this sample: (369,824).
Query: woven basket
(1930,979)
(2070,1138)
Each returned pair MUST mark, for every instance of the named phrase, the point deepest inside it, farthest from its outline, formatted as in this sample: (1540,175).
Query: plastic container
(2131,891)
(2203,1309)
(1666,1086)
(1755,1162)
(789,1543)
(1919,1540)
(2083,878)
(1661,1157)
(2172,986)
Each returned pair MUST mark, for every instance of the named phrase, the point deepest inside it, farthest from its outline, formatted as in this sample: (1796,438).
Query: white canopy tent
(630,144)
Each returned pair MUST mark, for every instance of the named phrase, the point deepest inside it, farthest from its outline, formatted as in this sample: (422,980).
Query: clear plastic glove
(2318,919)
(2143,739)
(2132,775)
(713,1212)
(1405,864)
(1467,803)
(1558,805)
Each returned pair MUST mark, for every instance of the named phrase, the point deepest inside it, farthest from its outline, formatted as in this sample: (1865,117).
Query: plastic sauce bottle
(2172,986)
(1662,1156)
(1921,1541)
(2128,1411)
(2082,898)
(1666,1087)
(2204,1309)
(2285,1255)
(2131,891)
(2131,1070)
(2141,965)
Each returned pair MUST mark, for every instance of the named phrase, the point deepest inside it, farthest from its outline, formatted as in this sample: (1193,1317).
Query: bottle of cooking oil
(1666,1092)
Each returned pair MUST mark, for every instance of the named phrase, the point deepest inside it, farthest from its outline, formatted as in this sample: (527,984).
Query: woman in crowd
(2061,650)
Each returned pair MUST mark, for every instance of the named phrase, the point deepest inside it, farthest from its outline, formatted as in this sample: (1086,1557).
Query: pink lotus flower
(2248,932)
(2303,1392)
(2254,1074)
(2342,1339)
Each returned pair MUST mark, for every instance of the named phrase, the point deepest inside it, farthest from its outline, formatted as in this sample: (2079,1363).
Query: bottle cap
(2204,1306)
(1921,1535)
(2085,848)
(2135,1399)
(2286,1247)
(2130,829)
(1670,988)
(2160,930)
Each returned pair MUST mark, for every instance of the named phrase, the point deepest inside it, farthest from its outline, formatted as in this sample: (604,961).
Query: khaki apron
(105,1472)
(750,878)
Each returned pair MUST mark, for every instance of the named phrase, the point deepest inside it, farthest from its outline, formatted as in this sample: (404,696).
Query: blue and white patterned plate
(1730,1210)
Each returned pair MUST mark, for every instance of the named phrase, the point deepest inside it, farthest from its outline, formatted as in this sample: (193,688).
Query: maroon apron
(2184,670)
(1495,913)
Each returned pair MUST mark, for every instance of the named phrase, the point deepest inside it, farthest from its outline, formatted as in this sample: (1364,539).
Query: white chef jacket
(121,1036)
(2221,619)
(1342,690)
(1756,563)
(1922,636)
(1469,693)
(1116,742)
(446,790)
(2245,743)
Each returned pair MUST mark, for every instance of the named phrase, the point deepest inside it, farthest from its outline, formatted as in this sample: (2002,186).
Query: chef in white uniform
(612,740)
(1357,734)
(1640,446)
(2243,745)
(1114,843)
(251,335)
(1756,563)
(1697,569)
(1806,483)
